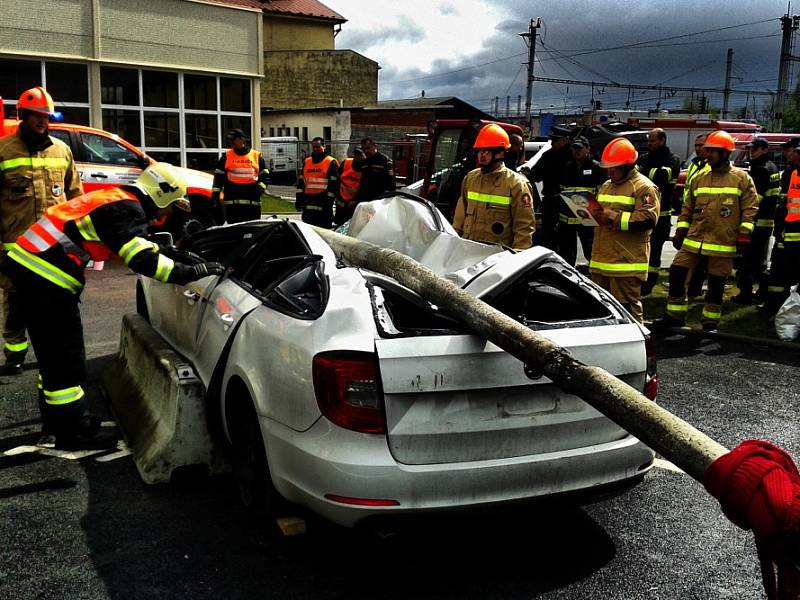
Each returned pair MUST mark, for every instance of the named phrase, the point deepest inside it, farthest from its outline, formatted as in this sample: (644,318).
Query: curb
(732,337)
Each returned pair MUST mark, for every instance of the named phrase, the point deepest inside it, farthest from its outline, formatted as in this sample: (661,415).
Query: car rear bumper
(328,460)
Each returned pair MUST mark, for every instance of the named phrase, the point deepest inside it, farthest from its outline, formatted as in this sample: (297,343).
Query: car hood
(418,230)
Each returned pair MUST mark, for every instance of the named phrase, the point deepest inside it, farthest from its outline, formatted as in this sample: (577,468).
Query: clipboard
(582,204)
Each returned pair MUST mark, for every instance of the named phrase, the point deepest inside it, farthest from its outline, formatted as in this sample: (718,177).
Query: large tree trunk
(671,437)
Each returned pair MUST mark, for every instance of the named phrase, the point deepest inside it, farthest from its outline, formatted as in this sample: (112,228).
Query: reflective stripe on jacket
(242,169)
(622,248)
(31,182)
(496,208)
(720,204)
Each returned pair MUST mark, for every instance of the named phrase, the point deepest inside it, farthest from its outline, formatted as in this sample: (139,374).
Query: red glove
(677,239)
(758,486)
(742,243)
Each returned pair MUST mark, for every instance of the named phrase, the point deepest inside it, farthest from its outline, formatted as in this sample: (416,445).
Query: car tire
(250,467)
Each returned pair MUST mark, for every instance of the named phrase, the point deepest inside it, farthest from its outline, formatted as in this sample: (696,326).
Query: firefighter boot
(86,434)
(14,362)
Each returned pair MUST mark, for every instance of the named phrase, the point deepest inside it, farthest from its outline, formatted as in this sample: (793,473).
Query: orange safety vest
(349,181)
(49,230)
(242,169)
(315,175)
(793,199)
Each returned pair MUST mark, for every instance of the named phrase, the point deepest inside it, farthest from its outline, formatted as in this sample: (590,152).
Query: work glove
(677,239)
(207,268)
(742,243)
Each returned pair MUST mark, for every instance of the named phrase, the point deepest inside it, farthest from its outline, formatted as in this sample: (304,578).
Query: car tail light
(651,373)
(361,501)
(348,390)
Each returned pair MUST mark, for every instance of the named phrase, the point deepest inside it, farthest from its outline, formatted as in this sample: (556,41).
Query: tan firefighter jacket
(496,208)
(720,204)
(622,247)
(31,182)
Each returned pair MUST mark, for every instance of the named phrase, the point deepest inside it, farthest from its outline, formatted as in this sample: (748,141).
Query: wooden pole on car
(674,439)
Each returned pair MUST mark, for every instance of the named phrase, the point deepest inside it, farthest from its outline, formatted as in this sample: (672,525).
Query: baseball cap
(792,143)
(556,131)
(235,133)
(580,142)
(758,143)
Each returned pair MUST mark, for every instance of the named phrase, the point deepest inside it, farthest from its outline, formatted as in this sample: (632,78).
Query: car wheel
(250,466)
(141,304)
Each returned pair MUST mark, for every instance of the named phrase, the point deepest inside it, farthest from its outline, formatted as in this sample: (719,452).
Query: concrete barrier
(159,404)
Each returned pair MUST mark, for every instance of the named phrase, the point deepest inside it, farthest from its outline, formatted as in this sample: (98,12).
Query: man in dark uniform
(582,175)
(242,176)
(377,172)
(548,170)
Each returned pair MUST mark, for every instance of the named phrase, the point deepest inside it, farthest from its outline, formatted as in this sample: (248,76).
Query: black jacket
(549,170)
(377,177)
(662,167)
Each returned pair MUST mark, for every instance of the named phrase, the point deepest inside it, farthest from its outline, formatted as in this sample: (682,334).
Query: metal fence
(285,156)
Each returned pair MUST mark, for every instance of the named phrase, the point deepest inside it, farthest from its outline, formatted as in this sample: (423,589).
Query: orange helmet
(618,152)
(492,136)
(720,139)
(36,100)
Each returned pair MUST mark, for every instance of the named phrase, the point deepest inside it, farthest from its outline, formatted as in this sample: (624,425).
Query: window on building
(16,76)
(271,132)
(200,92)
(160,88)
(202,161)
(201,131)
(67,82)
(305,134)
(119,86)
(297,132)
(125,123)
(72,114)
(162,129)
(236,122)
(235,94)
(326,134)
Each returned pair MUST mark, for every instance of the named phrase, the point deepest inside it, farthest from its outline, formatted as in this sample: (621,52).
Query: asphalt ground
(89,528)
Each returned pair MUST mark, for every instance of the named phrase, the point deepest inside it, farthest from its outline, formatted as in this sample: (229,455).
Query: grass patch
(738,319)
(275,204)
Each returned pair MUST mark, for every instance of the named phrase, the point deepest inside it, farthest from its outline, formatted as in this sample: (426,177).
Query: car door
(105,162)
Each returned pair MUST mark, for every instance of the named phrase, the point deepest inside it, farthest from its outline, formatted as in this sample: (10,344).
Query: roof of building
(419,103)
(303,8)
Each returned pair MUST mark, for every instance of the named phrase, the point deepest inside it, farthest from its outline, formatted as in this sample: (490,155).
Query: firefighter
(242,176)
(778,278)
(516,154)
(548,170)
(349,182)
(784,269)
(697,165)
(377,172)
(46,268)
(717,221)
(496,205)
(629,209)
(582,175)
(766,177)
(36,171)
(317,186)
(662,168)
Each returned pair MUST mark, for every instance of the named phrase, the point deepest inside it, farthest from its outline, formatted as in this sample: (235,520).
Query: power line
(639,86)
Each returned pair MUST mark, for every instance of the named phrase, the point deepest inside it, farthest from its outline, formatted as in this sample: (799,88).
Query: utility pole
(788,25)
(508,106)
(519,105)
(727,94)
(530,40)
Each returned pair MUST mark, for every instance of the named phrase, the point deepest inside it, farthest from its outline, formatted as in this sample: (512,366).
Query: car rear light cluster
(348,390)
(651,373)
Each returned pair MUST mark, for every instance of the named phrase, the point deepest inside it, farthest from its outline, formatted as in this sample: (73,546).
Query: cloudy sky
(470,48)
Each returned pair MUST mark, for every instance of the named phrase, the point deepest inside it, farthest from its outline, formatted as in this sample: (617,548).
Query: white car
(351,395)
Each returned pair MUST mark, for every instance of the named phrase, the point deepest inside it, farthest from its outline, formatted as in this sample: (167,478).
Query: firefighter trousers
(784,272)
(658,237)
(15,345)
(238,211)
(54,325)
(627,290)
(754,260)
(681,271)
(568,235)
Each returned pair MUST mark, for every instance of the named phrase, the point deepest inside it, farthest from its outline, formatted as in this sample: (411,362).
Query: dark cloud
(573,34)
(405,30)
